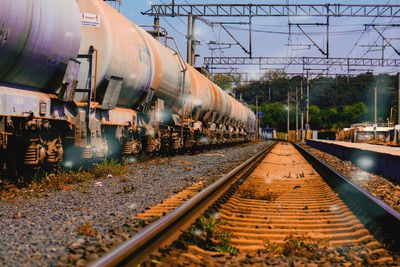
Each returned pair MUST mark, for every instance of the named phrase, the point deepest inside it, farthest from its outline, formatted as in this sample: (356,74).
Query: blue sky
(268,44)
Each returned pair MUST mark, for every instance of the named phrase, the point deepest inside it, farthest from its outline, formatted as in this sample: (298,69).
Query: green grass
(106,167)
(65,179)
(207,234)
(299,246)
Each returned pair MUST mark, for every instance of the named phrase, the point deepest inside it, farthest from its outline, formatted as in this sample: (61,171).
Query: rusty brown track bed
(303,205)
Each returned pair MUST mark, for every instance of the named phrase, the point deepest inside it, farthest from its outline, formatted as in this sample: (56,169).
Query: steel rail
(379,218)
(168,228)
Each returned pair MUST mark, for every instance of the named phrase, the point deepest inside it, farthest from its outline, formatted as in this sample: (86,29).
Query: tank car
(39,43)
(78,80)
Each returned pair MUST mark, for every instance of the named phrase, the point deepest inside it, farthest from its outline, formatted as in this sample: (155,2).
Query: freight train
(80,81)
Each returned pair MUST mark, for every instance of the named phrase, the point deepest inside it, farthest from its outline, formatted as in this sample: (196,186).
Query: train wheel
(15,171)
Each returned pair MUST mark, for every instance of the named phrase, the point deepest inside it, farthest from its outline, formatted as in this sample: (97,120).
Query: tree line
(335,102)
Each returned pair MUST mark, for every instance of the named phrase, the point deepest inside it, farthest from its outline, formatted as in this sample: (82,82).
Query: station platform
(381,160)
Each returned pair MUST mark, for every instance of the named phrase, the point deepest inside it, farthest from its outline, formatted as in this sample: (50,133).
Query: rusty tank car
(80,81)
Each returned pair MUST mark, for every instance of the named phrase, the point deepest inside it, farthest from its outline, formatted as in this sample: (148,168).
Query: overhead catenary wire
(349,32)
(169,24)
(345,29)
(174,28)
(289,41)
(365,30)
(360,37)
(377,39)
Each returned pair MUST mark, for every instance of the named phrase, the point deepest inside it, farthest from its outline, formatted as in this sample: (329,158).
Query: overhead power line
(348,32)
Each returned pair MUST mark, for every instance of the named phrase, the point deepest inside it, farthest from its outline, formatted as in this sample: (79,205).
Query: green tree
(226,81)
(338,102)
(274,75)
(329,116)
(354,113)
(274,115)
(315,117)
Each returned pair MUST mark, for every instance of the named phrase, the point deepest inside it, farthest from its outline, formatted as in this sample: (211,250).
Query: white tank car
(209,103)
(37,40)
(126,51)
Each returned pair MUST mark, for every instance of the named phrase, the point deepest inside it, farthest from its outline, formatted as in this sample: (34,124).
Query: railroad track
(279,193)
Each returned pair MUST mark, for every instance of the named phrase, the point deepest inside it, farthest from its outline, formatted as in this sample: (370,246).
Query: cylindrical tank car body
(126,51)
(37,39)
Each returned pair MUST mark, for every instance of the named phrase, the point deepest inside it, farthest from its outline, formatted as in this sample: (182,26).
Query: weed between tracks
(207,234)
(253,192)
(86,229)
(299,246)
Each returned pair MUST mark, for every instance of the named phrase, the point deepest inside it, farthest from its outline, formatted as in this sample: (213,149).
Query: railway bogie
(94,84)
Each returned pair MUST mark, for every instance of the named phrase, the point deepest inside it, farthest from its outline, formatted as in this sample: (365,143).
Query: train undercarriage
(41,137)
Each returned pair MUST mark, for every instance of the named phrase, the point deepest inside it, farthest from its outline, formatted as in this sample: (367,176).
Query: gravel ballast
(77,225)
(378,186)
(181,254)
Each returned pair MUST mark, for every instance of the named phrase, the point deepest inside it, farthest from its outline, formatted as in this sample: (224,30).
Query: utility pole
(297,115)
(397,132)
(398,98)
(250,38)
(157,27)
(190,41)
(269,93)
(302,110)
(327,31)
(375,108)
(288,114)
(257,119)
(307,106)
